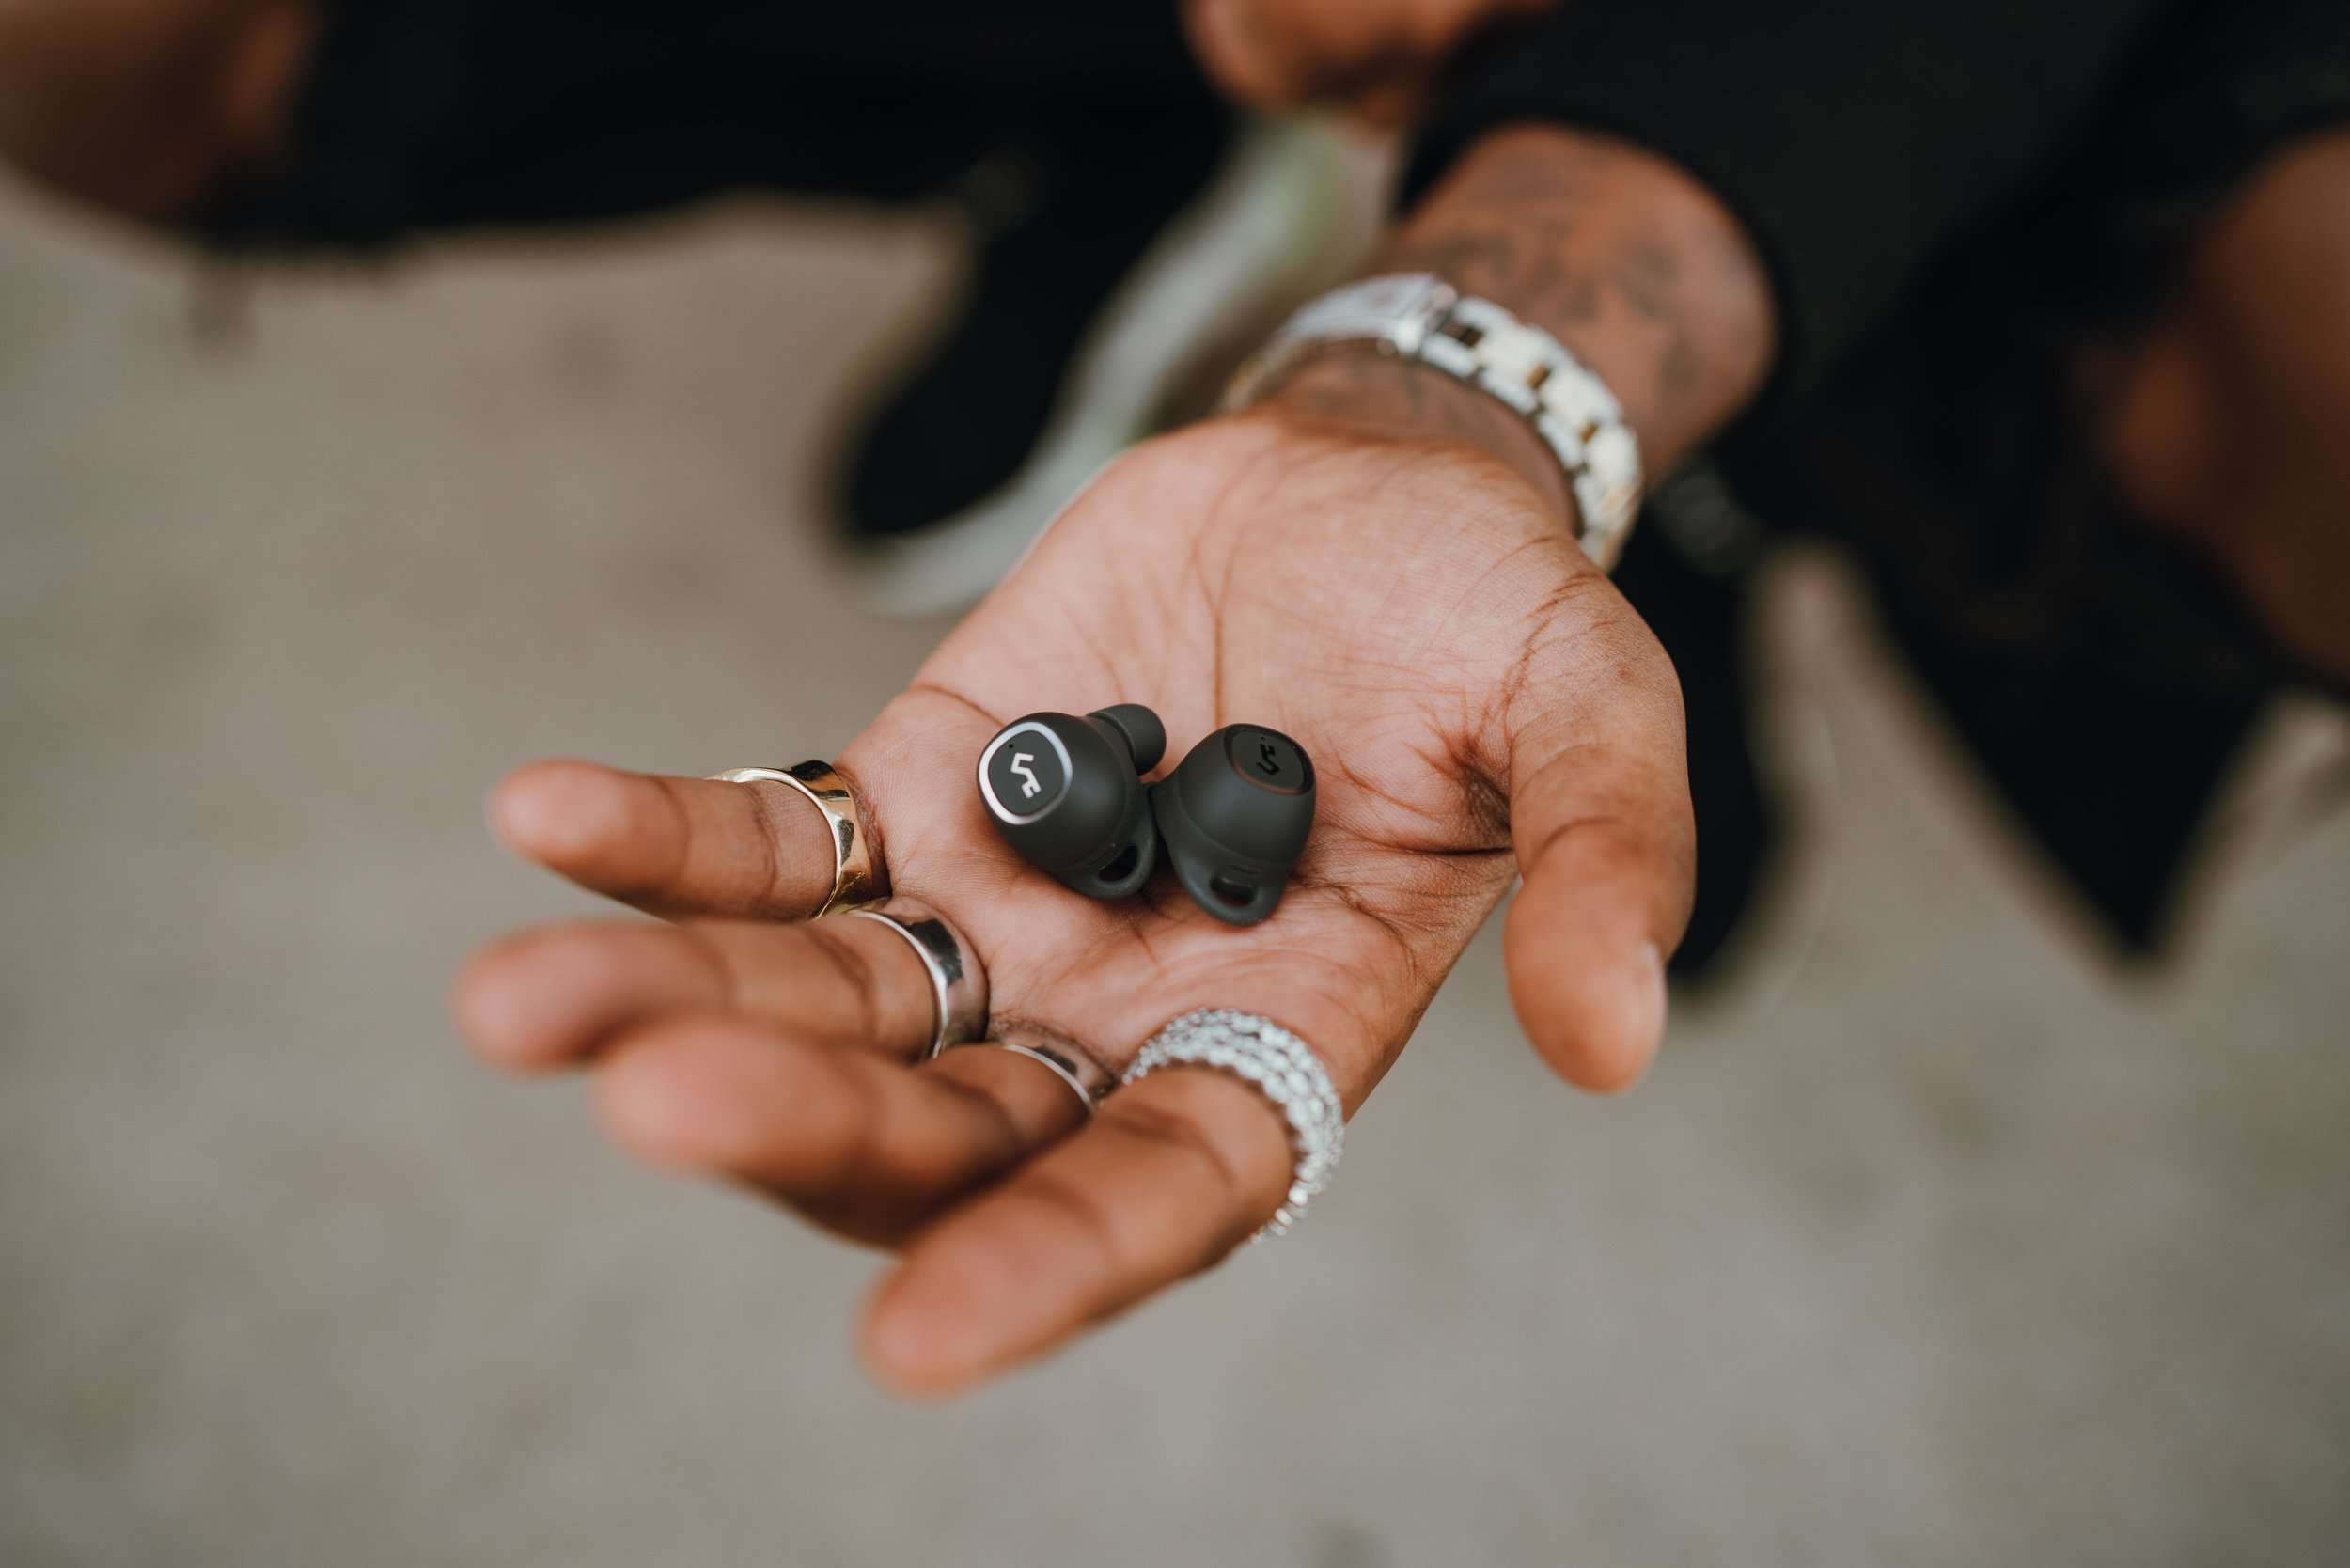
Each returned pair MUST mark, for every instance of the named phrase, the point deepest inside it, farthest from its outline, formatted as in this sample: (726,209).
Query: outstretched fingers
(775,1056)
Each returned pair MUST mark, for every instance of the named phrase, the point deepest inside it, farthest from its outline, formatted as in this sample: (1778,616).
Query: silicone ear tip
(1145,736)
(1235,903)
(1123,875)
(1234,887)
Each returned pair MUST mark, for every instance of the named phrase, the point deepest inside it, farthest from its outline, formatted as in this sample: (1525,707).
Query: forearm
(1633,266)
(2230,428)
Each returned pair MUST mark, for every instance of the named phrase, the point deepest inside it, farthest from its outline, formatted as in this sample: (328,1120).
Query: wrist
(1356,392)
(1598,314)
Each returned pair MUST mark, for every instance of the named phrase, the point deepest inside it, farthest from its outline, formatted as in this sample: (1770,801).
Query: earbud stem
(1140,728)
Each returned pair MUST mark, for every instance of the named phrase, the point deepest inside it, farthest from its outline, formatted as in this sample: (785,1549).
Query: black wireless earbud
(1067,794)
(1234,816)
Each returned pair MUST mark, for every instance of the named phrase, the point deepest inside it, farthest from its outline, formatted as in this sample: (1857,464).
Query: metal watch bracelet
(1420,318)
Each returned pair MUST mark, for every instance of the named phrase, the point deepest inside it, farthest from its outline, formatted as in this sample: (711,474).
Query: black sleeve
(1853,137)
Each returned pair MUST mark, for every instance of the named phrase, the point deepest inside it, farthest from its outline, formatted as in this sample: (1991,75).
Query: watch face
(1269,759)
(1025,772)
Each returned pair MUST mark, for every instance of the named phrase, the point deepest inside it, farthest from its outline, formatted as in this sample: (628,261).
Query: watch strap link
(1421,318)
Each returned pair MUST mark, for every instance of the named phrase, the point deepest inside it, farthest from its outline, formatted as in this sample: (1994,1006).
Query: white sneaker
(1246,244)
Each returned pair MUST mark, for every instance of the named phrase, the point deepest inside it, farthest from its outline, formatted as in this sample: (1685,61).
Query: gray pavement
(1937,1237)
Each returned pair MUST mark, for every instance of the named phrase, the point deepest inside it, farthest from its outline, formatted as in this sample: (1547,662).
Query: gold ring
(856,880)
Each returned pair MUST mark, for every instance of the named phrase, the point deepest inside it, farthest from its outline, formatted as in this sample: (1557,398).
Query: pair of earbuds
(1067,794)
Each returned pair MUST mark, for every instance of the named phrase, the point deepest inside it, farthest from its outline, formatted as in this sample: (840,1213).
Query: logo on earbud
(1268,761)
(1029,788)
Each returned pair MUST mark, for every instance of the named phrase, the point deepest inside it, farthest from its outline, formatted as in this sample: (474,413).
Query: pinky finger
(1175,1172)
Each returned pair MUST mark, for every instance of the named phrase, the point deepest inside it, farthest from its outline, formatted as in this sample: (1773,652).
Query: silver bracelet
(1278,1066)
(1421,318)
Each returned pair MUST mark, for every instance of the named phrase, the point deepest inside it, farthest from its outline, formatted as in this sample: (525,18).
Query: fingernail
(1644,1012)
(913,1355)
(1659,997)
(548,811)
(492,819)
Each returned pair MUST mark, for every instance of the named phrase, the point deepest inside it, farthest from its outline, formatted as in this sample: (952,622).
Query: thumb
(1599,814)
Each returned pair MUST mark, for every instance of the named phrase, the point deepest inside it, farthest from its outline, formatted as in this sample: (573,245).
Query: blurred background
(1939,1236)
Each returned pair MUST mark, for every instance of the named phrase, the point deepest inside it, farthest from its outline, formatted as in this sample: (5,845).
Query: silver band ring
(1277,1065)
(1087,1078)
(855,879)
(958,979)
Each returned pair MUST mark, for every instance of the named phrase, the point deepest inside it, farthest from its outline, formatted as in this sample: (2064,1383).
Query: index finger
(671,846)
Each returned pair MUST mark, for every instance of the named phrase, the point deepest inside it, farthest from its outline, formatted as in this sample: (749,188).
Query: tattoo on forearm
(1629,262)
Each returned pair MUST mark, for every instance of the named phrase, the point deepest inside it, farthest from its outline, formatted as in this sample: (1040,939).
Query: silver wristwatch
(1419,317)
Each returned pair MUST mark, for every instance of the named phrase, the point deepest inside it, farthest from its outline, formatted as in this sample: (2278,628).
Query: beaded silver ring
(1283,1069)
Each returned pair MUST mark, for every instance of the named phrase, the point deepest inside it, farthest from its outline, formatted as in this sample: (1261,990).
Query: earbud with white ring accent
(1067,794)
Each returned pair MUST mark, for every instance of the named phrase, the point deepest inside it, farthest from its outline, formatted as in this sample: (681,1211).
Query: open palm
(1478,701)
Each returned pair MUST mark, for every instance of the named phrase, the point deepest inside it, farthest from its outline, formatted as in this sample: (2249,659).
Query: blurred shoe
(1103,275)
(1691,572)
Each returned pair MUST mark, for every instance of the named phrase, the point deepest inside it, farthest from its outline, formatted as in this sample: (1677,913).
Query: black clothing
(1953,197)
(1853,138)
(424,115)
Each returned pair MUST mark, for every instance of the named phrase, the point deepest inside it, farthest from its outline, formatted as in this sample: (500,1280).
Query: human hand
(1379,58)
(1377,561)
(1477,700)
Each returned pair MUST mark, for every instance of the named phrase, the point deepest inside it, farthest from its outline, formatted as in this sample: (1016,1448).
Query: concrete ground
(1934,1239)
